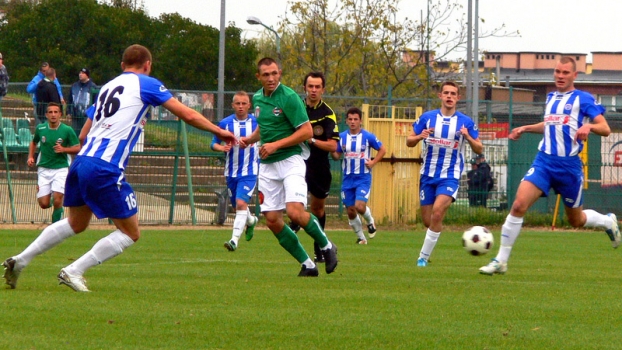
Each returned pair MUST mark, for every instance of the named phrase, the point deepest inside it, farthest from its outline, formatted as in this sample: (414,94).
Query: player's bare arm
(221,148)
(532,128)
(476,144)
(336,155)
(381,152)
(249,140)
(413,139)
(598,126)
(304,132)
(328,145)
(85,130)
(197,120)
(58,148)
(32,147)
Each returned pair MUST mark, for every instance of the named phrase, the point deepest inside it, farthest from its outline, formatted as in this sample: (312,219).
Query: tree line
(72,34)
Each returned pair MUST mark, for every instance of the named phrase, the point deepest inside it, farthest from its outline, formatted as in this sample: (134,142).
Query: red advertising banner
(489,131)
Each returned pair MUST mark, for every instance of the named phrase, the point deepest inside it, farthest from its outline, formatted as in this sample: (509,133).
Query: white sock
(357,226)
(596,219)
(250,218)
(429,243)
(104,250)
(49,238)
(368,218)
(509,233)
(309,263)
(239,224)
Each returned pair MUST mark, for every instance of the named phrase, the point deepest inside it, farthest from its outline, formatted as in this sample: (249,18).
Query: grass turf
(180,289)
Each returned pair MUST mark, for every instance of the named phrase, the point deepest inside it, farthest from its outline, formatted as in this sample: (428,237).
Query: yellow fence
(395,180)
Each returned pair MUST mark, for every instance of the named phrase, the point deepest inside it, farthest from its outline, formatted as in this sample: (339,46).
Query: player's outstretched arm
(197,120)
(598,126)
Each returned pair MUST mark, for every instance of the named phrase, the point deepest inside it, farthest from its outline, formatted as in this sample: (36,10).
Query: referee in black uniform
(324,140)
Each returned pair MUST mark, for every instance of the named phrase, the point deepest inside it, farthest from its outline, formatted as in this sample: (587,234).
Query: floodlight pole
(221,64)
(256,21)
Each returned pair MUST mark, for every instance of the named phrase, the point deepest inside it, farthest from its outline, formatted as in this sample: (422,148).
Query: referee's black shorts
(318,181)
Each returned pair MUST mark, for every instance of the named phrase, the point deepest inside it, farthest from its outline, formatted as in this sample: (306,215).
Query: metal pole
(221,64)
(427,60)
(469,65)
(475,113)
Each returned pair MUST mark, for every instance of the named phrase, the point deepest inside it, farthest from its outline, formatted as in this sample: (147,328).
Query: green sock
(288,240)
(314,230)
(57,214)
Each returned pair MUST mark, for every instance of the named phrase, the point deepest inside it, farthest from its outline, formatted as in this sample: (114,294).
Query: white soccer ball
(477,240)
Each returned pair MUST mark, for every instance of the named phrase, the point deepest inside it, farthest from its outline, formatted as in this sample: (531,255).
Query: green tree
(71,34)
(189,55)
(363,50)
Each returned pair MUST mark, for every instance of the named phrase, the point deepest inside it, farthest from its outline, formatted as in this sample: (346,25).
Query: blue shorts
(432,187)
(241,188)
(563,174)
(101,186)
(355,188)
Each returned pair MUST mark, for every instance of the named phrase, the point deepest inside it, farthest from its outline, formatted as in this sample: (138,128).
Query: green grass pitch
(180,289)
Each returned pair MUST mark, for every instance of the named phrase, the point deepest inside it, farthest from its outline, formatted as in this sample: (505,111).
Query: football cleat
(319,257)
(307,272)
(494,266)
(371,229)
(421,262)
(11,274)
(361,241)
(614,231)
(330,255)
(231,246)
(294,226)
(75,282)
(250,230)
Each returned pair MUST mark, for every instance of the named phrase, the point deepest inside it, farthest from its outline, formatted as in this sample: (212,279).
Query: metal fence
(179,180)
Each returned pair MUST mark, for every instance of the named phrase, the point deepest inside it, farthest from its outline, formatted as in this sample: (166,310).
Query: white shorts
(51,180)
(282,182)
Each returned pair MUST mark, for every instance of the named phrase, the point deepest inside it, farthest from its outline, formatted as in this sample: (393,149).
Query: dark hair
(315,75)
(53,104)
(450,83)
(266,61)
(355,110)
(135,56)
(568,59)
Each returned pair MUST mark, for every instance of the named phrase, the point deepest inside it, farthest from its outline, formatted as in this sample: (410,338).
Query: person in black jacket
(80,99)
(46,92)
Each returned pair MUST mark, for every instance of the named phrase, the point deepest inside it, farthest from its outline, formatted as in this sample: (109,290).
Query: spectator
(481,182)
(46,92)
(80,99)
(32,88)
(473,182)
(4,78)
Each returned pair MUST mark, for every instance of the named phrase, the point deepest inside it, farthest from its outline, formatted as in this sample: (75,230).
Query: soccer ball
(477,240)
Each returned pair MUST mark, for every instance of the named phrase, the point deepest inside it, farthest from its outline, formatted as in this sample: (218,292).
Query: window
(577,58)
(612,103)
(547,57)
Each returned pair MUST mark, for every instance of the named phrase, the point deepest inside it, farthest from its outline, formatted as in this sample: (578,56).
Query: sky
(569,26)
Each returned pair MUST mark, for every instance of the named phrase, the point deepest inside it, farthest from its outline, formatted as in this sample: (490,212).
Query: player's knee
(361,207)
(519,208)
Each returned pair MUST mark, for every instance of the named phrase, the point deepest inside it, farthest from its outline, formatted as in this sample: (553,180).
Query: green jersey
(278,116)
(47,138)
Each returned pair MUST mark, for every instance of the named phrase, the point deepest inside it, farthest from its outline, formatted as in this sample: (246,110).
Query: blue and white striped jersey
(443,150)
(120,116)
(240,162)
(565,113)
(356,150)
